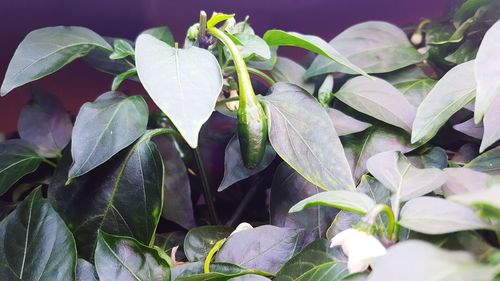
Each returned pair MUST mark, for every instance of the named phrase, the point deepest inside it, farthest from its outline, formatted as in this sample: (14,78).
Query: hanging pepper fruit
(252,121)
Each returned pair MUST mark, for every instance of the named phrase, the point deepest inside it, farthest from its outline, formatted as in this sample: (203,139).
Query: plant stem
(243,205)
(382,208)
(255,72)
(206,187)
(213,251)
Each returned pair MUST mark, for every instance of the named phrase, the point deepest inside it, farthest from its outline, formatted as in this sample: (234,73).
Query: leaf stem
(206,187)
(270,81)
(391,224)
(243,204)
(50,163)
(213,251)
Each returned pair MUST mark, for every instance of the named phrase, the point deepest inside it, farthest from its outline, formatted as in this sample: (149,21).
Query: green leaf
(352,201)
(218,272)
(36,244)
(325,91)
(105,127)
(177,202)
(487,71)
(117,81)
(405,181)
(123,197)
(374,46)
(184,83)
(431,157)
(45,123)
(487,162)
(17,159)
(264,248)
(316,262)
(465,52)
(234,168)
(379,99)
(468,8)
(416,91)
(124,258)
(291,111)
(253,47)
(46,50)
(85,271)
(432,215)
(450,94)
(360,147)
(486,199)
(491,129)
(286,70)
(122,49)
(311,43)
(217,18)
(161,33)
(199,241)
(287,189)
(421,261)
(99,59)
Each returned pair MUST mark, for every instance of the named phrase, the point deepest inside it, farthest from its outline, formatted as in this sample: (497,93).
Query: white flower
(360,247)
(242,226)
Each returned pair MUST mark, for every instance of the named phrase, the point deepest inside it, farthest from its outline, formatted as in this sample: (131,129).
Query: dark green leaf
(468,8)
(122,197)
(85,271)
(122,49)
(432,215)
(466,52)
(199,241)
(36,244)
(288,188)
(124,259)
(360,147)
(177,204)
(379,99)
(218,272)
(487,162)
(46,50)
(105,127)
(117,81)
(264,248)
(286,70)
(291,111)
(99,59)
(374,46)
(421,261)
(17,159)
(161,33)
(316,262)
(45,123)
(487,72)
(434,157)
(311,43)
(234,168)
(450,94)
(167,241)
(415,91)
(345,124)
(184,83)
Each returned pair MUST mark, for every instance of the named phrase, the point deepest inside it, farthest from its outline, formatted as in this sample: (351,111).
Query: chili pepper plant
(374,158)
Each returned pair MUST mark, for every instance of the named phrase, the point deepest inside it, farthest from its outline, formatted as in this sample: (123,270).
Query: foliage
(392,134)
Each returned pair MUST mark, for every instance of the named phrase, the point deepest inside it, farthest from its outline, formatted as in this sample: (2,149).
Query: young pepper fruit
(252,121)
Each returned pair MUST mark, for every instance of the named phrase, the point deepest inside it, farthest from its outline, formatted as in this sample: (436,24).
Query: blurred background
(77,83)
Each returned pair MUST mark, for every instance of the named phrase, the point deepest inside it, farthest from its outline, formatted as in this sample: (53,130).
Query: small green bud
(193,31)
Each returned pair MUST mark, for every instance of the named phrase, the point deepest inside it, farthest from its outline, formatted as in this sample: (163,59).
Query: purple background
(77,83)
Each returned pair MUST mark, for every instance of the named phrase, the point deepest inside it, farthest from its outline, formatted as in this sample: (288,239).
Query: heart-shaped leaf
(264,248)
(234,168)
(17,159)
(199,241)
(46,50)
(45,123)
(291,111)
(451,93)
(432,215)
(374,46)
(317,262)
(379,99)
(105,127)
(311,43)
(123,258)
(487,71)
(35,243)
(184,83)
(122,197)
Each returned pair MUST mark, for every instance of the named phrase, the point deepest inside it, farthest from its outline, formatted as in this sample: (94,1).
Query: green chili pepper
(252,121)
